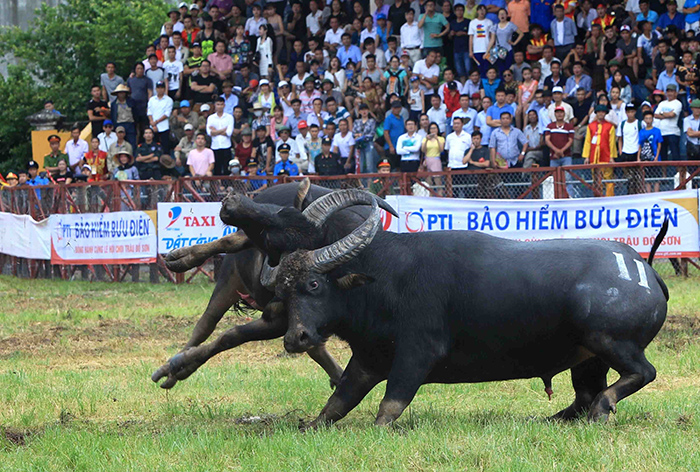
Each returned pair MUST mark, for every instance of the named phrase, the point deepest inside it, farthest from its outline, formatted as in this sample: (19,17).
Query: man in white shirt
(173,70)
(344,145)
(427,72)
(333,36)
(468,115)
(628,135)
(558,101)
(408,147)
(411,37)
(667,113)
(438,113)
(107,137)
(160,107)
(285,138)
(546,61)
(302,139)
(479,38)
(313,19)
(76,148)
(691,127)
(220,128)
(457,144)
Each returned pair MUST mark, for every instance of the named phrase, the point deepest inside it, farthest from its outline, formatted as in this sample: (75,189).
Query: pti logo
(415,221)
(174,214)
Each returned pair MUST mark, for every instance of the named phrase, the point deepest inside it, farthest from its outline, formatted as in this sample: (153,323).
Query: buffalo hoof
(178,368)
(184,259)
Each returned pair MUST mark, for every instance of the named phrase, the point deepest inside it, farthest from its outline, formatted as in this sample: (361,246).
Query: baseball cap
(452,85)
(247,131)
(600,108)
(645,103)
(671,87)
(264,82)
(194,6)
(326,140)
(396,104)
(302,124)
(160,83)
(669,59)
(32,165)
(309,79)
(284,148)
(87,166)
(415,77)
(559,109)
(476,95)
(196,45)
(625,28)
(284,128)
(107,123)
(283,83)
(405,53)
(557,89)
(205,107)
(184,103)
(252,162)
(188,127)
(120,129)
(657,92)
(381,16)
(695,103)
(182,5)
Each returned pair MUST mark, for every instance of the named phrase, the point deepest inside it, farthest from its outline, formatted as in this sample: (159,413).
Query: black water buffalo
(243,266)
(462,306)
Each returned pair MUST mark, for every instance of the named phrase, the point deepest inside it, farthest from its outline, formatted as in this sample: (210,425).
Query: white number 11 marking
(624,273)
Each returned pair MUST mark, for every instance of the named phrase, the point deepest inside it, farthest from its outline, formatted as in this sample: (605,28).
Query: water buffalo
(243,266)
(463,306)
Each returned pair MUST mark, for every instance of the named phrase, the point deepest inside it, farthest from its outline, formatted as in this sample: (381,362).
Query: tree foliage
(63,53)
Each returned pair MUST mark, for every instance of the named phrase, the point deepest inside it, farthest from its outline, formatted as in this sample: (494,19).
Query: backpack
(394,84)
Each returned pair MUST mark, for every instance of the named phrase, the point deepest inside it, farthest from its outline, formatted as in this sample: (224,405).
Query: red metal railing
(533,183)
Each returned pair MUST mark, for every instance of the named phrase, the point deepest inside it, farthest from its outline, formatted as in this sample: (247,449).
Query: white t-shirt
(333,38)
(669,126)
(428,72)
(457,147)
(343,144)
(299,83)
(481,32)
(172,72)
(313,22)
(630,136)
(438,116)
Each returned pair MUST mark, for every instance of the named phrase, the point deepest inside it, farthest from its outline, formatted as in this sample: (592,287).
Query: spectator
(691,127)
(124,168)
(347,51)
(393,128)
(505,141)
(601,148)
(535,141)
(64,175)
(190,31)
(668,113)
(580,121)
(244,150)
(333,37)
(284,166)
(501,36)
(148,157)
(554,79)
(264,50)
(182,117)
(141,91)
(262,149)
(97,160)
(408,147)
(107,137)
(492,6)
(220,128)
(480,30)
(467,114)
(34,178)
(204,85)
(277,121)
(173,70)
(181,51)
(52,158)
(559,137)
(428,73)
(563,32)
(97,110)
(314,19)
(76,148)
(285,138)
(434,26)
(438,113)
(118,146)
(109,81)
(411,37)
(578,80)
(328,163)
(558,101)
(296,117)
(160,108)
(122,113)
(379,57)
(154,72)
(456,144)
(200,160)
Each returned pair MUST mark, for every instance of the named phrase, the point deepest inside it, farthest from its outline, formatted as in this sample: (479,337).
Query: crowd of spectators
(336,86)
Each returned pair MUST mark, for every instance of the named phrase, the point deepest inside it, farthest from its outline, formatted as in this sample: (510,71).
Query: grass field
(75,394)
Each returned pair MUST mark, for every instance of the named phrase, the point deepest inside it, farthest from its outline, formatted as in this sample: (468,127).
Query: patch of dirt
(679,331)
(16,438)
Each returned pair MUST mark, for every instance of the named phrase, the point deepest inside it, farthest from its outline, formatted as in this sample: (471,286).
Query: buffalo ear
(350,281)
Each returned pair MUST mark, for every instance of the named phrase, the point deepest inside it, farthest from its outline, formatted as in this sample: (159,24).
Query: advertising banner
(634,220)
(124,237)
(189,224)
(21,236)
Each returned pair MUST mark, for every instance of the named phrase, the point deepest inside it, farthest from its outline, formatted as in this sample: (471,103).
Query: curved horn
(321,209)
(304,186)
(268,275)
(329,257)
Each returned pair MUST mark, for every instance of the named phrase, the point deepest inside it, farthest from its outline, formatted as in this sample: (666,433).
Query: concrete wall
(20,12)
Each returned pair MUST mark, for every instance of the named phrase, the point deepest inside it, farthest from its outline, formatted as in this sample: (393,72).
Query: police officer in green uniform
(52,158)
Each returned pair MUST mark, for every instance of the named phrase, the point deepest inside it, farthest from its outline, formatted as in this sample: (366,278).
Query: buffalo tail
(657,242)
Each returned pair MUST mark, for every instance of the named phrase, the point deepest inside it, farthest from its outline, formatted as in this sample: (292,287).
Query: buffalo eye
(313,285)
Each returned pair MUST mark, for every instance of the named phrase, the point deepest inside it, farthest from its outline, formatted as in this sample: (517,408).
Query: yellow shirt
(432,148)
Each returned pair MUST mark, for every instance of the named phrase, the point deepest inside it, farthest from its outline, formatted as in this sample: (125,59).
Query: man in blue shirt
(348,51)
(493,115)
(691,9)
(668,76)
(671,17)
(541,13)
(284,166)
(393,128)
(506,141)
(34,178)
(646,14)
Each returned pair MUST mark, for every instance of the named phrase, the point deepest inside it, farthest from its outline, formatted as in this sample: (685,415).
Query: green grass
(75,394)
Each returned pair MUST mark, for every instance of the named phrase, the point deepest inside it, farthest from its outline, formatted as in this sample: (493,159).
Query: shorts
(627,157)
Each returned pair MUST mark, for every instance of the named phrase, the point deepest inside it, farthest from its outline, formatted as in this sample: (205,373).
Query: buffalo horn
(321,209)
(268,275)
(327,258)
(304,186)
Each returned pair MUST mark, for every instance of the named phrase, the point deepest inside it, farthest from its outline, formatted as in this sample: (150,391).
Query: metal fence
(577,181)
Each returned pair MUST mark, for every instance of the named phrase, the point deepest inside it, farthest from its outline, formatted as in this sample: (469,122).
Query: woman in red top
(97,160)
(244,149)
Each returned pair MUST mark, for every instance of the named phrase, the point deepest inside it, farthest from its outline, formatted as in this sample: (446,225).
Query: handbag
(646,153)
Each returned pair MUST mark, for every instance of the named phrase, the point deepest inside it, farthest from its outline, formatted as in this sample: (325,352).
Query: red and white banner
(634,220)
(21,236)
(124,237)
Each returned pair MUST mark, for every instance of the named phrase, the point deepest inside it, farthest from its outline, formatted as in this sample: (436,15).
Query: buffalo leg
(323,358)
(589,379)
(405,378)
(183,364)
(183,259)
(354,385)
(635,372)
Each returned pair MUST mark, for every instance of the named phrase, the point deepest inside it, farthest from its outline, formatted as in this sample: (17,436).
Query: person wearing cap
(182,117)
(691,128)
(34,177)
(174,16)
(302,139)
(191,67)
(668,76)
(557,101)
(563,32)
(220,127)
(285,138)
(244,149)
(160,107)
(120,145)
(97,109)
(377,185)
(52,158)
(186,143)
(667,113)
(285,166)
(327,162)
(600,147)
(671,17)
